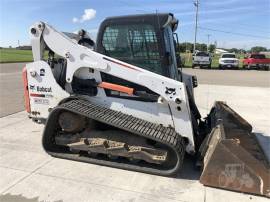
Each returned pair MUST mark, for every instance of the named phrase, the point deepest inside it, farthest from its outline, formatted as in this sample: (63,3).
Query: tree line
(188,47)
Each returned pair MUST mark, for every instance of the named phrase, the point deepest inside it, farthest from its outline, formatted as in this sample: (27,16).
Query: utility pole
(208,36)
(196,4)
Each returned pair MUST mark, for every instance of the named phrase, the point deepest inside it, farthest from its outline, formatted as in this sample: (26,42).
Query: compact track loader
(128,105)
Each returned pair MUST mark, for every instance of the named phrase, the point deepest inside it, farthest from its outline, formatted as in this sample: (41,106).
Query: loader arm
(172,93)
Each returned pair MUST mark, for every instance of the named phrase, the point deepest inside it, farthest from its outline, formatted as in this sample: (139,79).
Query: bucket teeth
(232,156)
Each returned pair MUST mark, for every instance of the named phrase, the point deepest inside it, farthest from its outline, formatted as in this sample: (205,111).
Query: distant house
(220,51)
(265,53)
(24,48)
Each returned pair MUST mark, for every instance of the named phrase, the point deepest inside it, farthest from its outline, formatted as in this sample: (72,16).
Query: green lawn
(14,55)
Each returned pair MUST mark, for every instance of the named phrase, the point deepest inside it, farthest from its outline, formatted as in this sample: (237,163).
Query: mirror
(176,43)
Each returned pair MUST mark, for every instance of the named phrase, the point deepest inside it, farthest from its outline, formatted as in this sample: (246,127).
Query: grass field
(14,55)
(8,55)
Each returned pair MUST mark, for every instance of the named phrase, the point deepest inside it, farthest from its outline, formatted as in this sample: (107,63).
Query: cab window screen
(134,44)
(258,56)
(202,54)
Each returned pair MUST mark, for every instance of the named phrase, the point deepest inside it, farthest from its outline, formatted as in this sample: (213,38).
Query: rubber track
(140,127)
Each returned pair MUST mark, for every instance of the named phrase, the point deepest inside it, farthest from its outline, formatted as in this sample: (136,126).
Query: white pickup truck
(228,60)
(201,59)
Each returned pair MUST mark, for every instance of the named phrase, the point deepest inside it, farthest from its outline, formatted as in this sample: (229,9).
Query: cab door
(170,53)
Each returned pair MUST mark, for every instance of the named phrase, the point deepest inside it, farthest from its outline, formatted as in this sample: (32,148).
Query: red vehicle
(256,60)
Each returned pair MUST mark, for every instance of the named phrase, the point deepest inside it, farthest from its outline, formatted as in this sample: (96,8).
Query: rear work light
(26,91)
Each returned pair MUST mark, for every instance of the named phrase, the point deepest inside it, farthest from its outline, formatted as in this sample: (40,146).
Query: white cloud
(75,20)
(88,14)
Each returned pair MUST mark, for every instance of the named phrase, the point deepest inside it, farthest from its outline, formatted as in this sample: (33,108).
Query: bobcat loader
(127,104)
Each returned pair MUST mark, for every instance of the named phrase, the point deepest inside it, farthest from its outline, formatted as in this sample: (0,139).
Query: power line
(263,29)
(234,33)
(253,26)
(258,31)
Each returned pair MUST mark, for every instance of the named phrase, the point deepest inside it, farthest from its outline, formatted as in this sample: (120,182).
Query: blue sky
(248,17)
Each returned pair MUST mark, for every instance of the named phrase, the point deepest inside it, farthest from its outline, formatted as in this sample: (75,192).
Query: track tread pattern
(123,121)
(164,135)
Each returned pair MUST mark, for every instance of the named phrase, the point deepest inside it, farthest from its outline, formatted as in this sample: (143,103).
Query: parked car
(228,60)
(201,59)
(256,60)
